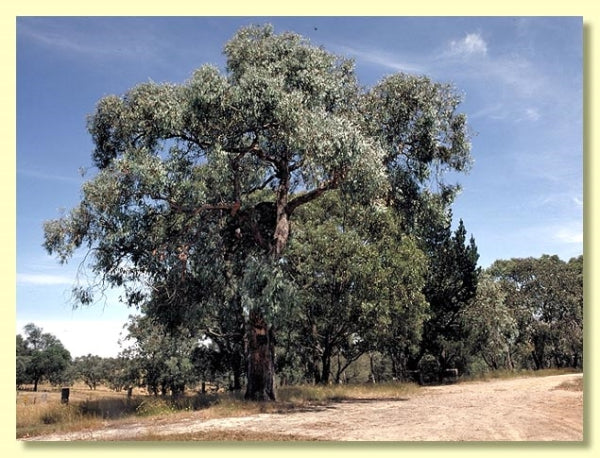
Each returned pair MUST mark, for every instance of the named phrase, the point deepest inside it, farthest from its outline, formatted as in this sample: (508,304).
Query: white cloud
(471,45)
(43,279)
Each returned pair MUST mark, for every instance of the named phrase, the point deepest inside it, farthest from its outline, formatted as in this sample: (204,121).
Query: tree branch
(312,195)
(232,206)
(261,186)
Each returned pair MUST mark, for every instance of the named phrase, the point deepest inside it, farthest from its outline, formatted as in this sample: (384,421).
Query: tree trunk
(261,339)
(326,365)
(236,352)
(395,371)
(315,369)
(536,360)
(261,368)
(509,363)
(282,222)
(237,374)
(372,376)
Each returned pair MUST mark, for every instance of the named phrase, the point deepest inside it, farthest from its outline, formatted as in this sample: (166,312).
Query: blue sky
(523,95)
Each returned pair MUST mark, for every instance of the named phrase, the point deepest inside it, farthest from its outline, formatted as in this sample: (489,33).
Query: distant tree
(545,297)
(164,357)
(492,327)
(23,358)
(41,356)
(213,171)
(91,369)
(122,372)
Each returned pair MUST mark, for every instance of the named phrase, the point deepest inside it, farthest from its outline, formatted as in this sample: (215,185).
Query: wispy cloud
(48,176)
(564,200)
(561,166)
(383,59)
(570,235)
(552,238)
(80,38)
(528,91)
(516,73)
(58,41)
(496,111)
(512,74)
(532,114)
(509,76)
(43,279)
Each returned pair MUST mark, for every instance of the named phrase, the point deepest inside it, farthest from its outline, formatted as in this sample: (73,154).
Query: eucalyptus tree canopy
(210,172)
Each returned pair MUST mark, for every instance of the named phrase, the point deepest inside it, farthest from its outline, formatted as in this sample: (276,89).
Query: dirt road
(524,409)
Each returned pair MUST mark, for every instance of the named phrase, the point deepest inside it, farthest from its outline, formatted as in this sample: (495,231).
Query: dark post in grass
(64,395)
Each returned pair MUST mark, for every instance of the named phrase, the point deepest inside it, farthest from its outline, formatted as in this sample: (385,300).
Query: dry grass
(571,385)
(506,374)
(42,412)
(328,393)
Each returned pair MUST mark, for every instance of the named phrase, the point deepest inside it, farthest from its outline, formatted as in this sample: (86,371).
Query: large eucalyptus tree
(198,182)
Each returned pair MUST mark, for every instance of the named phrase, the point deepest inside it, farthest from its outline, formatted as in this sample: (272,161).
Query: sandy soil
(524,409)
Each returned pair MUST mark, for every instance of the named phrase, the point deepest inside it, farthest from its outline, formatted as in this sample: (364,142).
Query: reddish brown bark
(261,368)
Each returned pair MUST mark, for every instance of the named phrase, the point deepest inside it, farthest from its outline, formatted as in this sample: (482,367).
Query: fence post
(64,395)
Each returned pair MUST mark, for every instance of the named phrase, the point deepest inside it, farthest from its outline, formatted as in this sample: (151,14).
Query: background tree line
(290,219)
(526,314)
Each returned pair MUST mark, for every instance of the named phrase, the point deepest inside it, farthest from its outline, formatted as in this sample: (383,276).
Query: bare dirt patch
(522,409)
